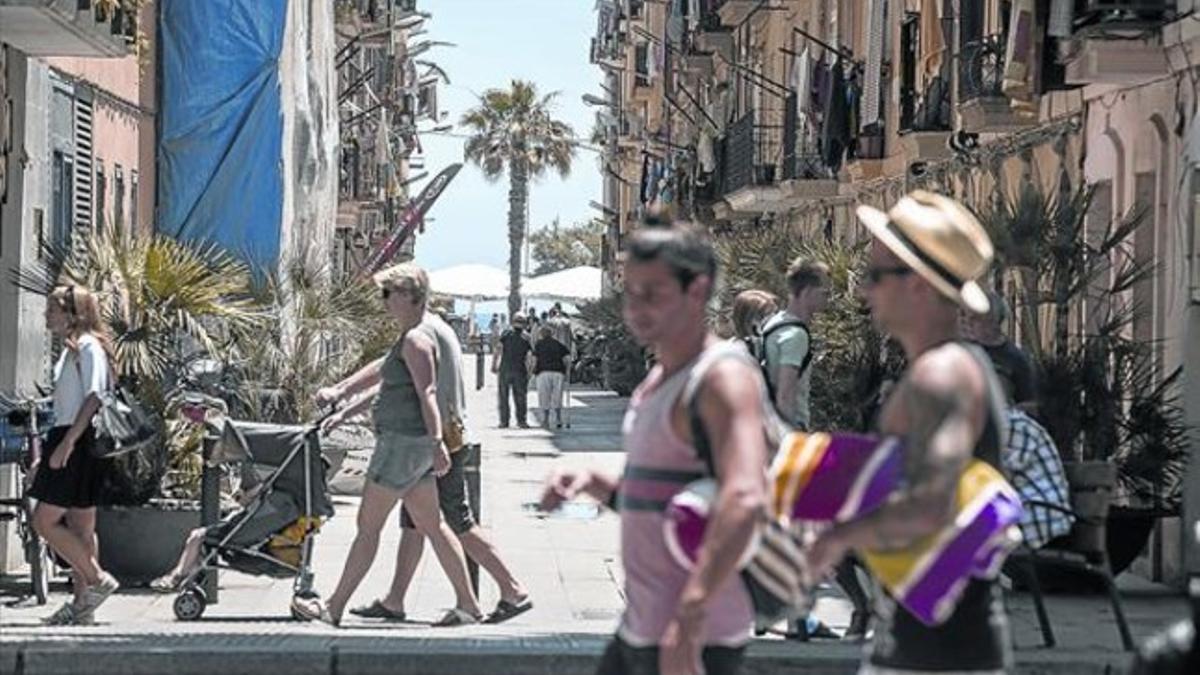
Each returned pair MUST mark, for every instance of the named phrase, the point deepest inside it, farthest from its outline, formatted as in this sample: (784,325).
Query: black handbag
(122,425)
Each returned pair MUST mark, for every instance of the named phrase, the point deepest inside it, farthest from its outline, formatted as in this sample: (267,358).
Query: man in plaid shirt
(1036,471)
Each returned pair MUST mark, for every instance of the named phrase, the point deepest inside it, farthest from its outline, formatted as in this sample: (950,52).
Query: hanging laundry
(1018,56)
(835,132)
(801,81)
(933,42)
(874,69)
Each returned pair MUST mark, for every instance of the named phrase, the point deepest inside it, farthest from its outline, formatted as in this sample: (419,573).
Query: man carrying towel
(927,255)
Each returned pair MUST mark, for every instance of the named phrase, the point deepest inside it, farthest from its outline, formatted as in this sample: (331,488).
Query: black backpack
(761,353)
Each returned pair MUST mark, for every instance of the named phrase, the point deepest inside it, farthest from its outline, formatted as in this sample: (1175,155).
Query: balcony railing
(981,68)
(67,28)
(800,154)
(748,154)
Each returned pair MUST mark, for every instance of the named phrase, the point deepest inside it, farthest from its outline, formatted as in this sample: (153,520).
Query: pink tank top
(659,464)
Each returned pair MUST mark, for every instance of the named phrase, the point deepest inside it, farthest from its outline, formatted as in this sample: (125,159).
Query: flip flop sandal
(456,617)
(377,610)
(506,610)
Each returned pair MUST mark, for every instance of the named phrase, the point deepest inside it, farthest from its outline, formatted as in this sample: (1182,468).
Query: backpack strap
(789,323)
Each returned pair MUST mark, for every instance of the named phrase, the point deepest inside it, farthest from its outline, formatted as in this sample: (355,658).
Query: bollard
(479,359)
(471,473)
(210,508)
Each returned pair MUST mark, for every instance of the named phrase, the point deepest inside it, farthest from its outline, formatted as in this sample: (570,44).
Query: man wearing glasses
(927,255)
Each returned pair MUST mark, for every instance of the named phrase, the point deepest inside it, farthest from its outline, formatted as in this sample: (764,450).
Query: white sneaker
(63,616)
(96,595)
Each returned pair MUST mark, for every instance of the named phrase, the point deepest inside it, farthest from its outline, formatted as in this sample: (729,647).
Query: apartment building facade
(738,112)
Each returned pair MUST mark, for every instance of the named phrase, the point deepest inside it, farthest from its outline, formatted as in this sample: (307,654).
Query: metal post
(471,471)
(210,508)
(479,359)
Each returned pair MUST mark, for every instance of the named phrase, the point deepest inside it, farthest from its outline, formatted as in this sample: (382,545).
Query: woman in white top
(66,479)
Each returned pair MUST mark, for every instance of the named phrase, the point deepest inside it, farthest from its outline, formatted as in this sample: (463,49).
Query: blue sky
(545,41)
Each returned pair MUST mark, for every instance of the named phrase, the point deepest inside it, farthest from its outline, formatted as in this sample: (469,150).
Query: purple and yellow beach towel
(829,478)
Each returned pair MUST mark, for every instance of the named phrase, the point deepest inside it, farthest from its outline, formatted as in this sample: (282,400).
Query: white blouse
(76,375)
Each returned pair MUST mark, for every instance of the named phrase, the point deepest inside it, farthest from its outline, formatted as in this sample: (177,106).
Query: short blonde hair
(749,309)
(406,278)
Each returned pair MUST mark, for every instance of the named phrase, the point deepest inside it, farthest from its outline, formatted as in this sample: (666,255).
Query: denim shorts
(400,461)
(452,497)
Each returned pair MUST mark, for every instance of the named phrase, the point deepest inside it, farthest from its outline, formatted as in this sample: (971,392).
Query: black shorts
(621,659)
(76,485)
(452,497)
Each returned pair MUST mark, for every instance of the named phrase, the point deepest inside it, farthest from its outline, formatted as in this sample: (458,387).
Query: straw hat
(940,240)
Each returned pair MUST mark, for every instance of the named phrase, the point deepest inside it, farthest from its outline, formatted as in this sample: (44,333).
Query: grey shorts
(400,461)
(452,497)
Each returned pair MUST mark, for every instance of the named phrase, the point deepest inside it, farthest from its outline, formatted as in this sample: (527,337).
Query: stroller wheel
(189,604)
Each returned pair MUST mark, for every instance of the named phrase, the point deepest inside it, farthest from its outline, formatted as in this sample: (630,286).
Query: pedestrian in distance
(410,446)
(678,621)
(510,364)
(66,482)
(750,309)
(1013,365)
(787,341)
(925,259)
(550,359)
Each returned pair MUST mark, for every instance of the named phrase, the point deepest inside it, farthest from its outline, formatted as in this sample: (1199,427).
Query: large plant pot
(1092,487)
(141,543)
(1128,531)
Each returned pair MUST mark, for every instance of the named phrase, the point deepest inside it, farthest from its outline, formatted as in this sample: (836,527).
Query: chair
(1083,553)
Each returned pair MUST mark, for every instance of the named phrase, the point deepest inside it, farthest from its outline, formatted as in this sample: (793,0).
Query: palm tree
(514,132)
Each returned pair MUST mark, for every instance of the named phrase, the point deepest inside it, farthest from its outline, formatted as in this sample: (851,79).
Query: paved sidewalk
(569,562)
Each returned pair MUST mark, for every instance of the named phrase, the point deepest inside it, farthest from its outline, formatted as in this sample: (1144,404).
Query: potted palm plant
(161,300)
(1115,419)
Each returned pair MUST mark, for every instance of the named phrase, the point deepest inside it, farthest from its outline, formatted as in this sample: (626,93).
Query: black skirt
(76,485)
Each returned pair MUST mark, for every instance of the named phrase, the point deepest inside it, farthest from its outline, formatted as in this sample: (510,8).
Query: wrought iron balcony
(748,155)
(981,68)
(67,28)
(1115,42)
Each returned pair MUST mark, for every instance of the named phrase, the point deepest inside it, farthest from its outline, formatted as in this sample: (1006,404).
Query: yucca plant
(165,303)
(318,330)
(1099,399)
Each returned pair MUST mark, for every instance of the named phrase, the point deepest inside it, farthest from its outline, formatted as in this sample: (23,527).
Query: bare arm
(730,407)
(367,376)
(943,404)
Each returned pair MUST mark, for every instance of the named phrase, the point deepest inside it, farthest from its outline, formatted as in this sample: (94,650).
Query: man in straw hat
(924,265)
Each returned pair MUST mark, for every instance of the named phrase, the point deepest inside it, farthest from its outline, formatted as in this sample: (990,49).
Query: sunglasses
(389,292)
(874,275)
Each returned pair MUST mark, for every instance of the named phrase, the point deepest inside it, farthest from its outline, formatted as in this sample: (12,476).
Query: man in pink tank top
(679,621)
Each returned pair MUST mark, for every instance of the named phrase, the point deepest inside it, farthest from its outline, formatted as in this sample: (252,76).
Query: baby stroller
(273,535)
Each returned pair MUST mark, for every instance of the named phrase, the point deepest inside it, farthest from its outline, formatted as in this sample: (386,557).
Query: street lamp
(593,100)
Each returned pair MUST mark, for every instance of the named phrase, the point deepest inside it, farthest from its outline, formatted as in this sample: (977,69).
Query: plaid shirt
(1036,471)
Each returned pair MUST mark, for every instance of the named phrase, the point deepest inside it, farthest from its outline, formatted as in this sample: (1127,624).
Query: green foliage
(165,303)
(318,330)
(558,248)
(1101,397)
(623,361)
(514,131)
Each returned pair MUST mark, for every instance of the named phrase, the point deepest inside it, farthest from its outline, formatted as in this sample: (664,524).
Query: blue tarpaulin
(221,171)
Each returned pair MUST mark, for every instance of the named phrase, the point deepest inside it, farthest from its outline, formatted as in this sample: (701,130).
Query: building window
(101,194)
(133,200)
(118,197)
(62,194)
(641,65)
